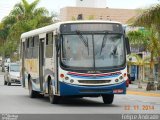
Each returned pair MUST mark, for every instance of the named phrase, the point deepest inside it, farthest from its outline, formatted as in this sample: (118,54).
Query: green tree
(149,40)
(141,62)
(150,18)
(136,37)
(23,17)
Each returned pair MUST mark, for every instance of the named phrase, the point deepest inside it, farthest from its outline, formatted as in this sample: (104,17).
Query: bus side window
(54,37)
(26,47)
(27,43)
(35,46)
(49,45)
(30,49)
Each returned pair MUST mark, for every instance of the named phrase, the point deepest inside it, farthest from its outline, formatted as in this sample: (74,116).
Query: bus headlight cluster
(71,81)
(121,77)
(116,80)
(67,78)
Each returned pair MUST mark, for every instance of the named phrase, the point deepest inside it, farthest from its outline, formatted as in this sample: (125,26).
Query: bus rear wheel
(8,83)
(108,99)
(32,93)
(5,82)
(53,98)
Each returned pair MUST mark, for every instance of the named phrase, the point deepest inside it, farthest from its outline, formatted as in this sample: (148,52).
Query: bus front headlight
(71,81)
(66,78)
(121,77)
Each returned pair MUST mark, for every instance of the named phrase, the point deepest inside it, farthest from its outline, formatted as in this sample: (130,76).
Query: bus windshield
(93,50)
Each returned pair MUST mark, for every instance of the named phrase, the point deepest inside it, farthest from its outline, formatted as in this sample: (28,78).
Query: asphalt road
(14,99)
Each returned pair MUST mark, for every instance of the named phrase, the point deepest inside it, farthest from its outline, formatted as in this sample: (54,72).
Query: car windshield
(93,50)
(14,68)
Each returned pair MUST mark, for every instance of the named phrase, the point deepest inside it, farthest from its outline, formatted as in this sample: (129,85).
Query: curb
(132,92)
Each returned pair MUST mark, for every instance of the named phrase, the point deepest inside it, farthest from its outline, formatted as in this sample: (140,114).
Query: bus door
(41,62)
(56,56)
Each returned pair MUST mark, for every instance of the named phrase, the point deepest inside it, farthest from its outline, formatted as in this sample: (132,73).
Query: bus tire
(52,98)
(108,99)
(5,82)
(9,83)
(32,93)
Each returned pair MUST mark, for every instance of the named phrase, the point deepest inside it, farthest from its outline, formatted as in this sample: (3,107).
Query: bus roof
(55,26)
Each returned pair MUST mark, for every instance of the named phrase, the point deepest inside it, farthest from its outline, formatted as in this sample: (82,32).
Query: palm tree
(24,10)
(150,19)
(22,18)
(29,17)
(149,40)
(141,62)
(137,39)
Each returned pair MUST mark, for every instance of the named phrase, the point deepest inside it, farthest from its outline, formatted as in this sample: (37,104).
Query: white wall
(91,3)
(100,4)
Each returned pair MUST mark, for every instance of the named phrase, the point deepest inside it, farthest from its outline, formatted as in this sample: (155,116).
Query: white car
(12,74)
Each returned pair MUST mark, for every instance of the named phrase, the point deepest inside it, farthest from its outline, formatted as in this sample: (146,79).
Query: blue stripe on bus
(71,90)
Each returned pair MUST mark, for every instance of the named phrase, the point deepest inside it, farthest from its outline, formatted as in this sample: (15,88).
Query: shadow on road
(77,102)
(82,102)
(14,85)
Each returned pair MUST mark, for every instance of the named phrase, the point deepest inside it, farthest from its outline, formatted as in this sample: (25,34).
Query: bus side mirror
(127,46)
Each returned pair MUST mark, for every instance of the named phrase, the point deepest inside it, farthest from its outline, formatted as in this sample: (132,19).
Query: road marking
(143,93)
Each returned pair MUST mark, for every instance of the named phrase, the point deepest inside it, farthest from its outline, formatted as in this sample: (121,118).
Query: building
(91,3)
(88,13)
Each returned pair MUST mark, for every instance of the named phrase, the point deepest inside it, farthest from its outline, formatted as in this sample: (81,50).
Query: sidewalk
(134,90)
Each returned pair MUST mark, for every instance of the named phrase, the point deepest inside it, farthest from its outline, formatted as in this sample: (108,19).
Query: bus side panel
(48,73)
(32,72)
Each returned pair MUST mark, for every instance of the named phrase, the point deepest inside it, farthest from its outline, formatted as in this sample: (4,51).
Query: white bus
(75,58)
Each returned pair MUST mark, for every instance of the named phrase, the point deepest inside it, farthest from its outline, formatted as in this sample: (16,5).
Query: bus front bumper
(77,90)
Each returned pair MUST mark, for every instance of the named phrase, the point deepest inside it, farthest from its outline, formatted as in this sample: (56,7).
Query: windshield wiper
(82,38)
(103,42)
(114,51)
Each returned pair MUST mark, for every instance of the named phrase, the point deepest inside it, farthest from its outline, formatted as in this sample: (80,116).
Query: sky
(55,5)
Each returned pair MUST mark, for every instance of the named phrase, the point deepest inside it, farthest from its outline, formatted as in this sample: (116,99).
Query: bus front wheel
(53,98)
(32,93)
(108,99)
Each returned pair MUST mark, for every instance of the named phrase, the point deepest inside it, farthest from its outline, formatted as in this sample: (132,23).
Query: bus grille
(94,81)
(95,91)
